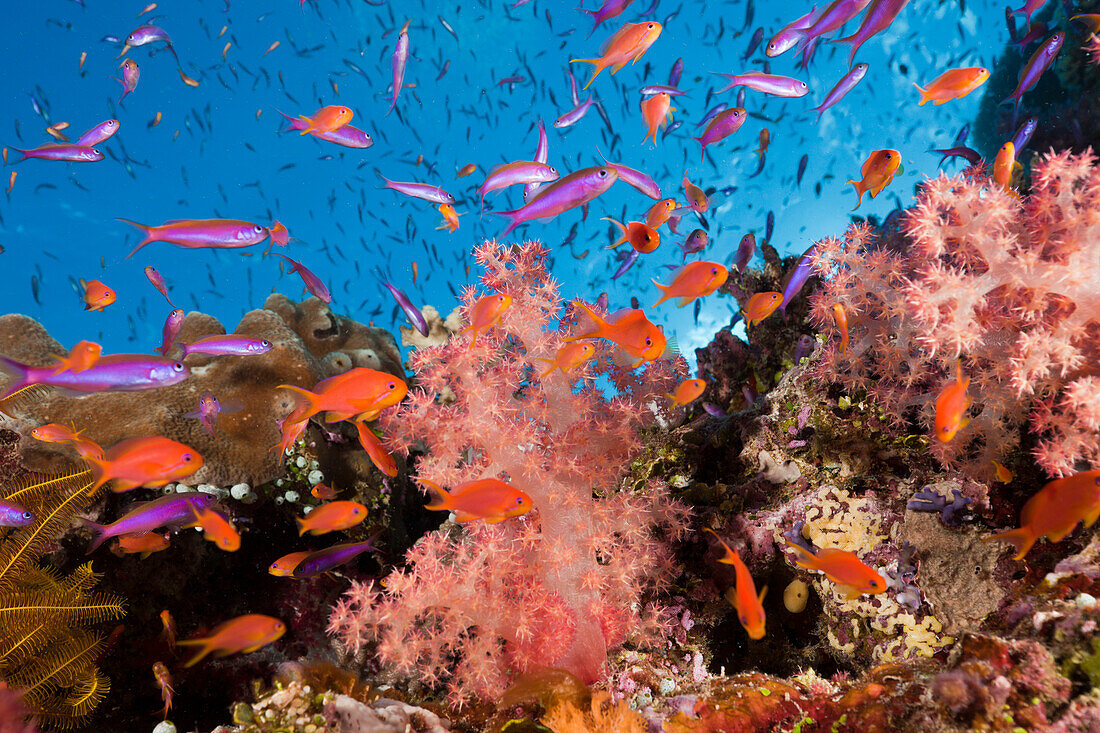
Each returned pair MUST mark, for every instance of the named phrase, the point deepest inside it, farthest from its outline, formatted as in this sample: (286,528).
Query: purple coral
(927,500)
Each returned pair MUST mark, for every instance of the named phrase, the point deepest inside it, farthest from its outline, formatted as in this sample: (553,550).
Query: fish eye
(187,457)
(603,173)
(257,228)
(744,620)
(96,151)
(178,366)
(648,341)
(28,515)
(391,385)
(265,343)
(714,271)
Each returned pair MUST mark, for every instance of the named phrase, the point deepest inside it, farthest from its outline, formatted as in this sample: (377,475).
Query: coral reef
(562,584)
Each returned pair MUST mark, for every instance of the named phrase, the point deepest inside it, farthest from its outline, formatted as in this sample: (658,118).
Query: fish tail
(664,292)
(924,96)
(98,467)
(1022,539)
(101,535)
(806,559)
(303,527)
(17,376)
(292,121)
(147,231)
(444,502)
(311,399)
(206,648)
(513,216)
(702,152)
(309,125)
(549,369)
(860,189)
(599,323)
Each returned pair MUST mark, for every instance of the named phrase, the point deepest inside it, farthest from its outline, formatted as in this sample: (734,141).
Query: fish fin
(205,647)
(309,125)
(147,231)
(924,97)
(763,592)
(444,497)
(231,405)
(850,592)
(672,348)
(684,301)
(120,485)
(860,189)
(101,532)
(17,374)
(1021,538)
(664,292)
(553,365)
(303,527)
(805,559)
(597,322)
(331,416)
(311,399)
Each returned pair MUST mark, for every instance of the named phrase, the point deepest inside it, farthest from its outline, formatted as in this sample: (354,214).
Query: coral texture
(562,584)
(1005,282)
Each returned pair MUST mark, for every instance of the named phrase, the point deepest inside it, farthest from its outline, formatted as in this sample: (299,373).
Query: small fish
(280,235)
(131,74)
(160,671)
(723,125)
(323,492)
(325,560)
(659,213)
(629,43)
(877,19)
(687,392)
(951,406)
(1055,511)
(157,281)
(953,84)
(217,529)
(1002,474)
(841,319)
(199,233)
(627,328)
(360,393)
(397,64)
(347,136)
(312,282)
(382,460)
(745,251)
(424,191)
(636,178)
(285,565)
(229,345)
(101,132)
(97,296)
(567,358)
(210,407)
(517,173)
(450,219)
(568,192)
(15,515)
(152,461)
(488,498)
(186,79)
(695,242)
(485,313)
(143,544)
(1034,69)
(696,198)
(174,510)
(877,171)
(246,633)
(779,86)
(66,152)
(326,119)
(116,372)
(852,576)
(1004,165)
(656,111)
(168,632)
(172,326)
(693,280)
(846,84)
(750,606)
(466,170)
(760,306)
(642,237)
(82,356)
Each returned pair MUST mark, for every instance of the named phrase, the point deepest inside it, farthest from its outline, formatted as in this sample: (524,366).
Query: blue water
(59,221)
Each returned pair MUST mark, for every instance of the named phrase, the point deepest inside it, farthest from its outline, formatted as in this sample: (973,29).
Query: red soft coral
(561,585)
(1010,284)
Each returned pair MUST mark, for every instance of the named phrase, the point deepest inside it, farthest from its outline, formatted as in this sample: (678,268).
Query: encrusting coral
(562,584)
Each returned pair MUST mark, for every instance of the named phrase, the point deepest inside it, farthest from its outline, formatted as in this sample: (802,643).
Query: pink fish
(158,282)
(348,136)
(99,133)
(424,191)
(513,174)
(116,373)
(130,76)
(722,126)
(566,193)
(574,115)
(312,282)
(879,17)
(397,64)
(610,9)
(640,181)
(64,151)
(779,86)
(542,152)
(199,233)
(172,325)
(227,345)
(790,34)
(210,407)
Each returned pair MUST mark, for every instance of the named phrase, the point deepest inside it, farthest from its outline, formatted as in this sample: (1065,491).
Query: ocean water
(217,150)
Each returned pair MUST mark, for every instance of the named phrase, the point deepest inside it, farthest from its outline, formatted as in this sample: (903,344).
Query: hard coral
(1006,283)
(562,584)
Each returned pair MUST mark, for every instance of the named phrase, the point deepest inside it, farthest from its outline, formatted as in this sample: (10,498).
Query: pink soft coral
(561,585)
(1010,284)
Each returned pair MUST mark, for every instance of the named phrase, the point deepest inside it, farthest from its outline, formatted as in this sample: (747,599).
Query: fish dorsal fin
(763,592)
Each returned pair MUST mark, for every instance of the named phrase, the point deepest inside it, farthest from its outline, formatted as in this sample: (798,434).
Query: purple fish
(312,283)
(1023,134)
(158,282)
(172,325)
(650,89)
(610,9)
(1034,31)
(131,74)
(745,250)
(711,113)
(397,65)
(541,154)
(15,515)
(210,407)
(722,126)
(802,163)
(324,560)
(881,14)
(516,173)
(424,191)
(1039,62)
(99,133)
(676,71)
(416,318)
(845,85)
(778,86)
(147,34)
(960,151)
(174,510)
(62,151)
(199,233)
(576,189)
(228,345)
(574,115)
(628,261)
(790,34)
(754,43)
(794,280)
(635,178)
(695,242)
(348,136)
(113,373)
(714,410)
(835,15)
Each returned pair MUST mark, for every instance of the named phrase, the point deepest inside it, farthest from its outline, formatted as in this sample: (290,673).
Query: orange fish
(271,48)
(466,170)
(486,498)
(877,171)
(841,319)
(324,492)
(326,119)
(952,84)
(687,392)
(152,461)
(55,433)
(628,328)
(696,198)
(160,671)
(359,393)
(765,141)
(146,544)
(627,44)
(11,178)
(241,634)
(168,633)
(82,356)
(659,213)
(292,429)
(568,358)
(97,296)
(373,446)
(1004,165)
(1055,511)
(217,529)
(852,576)
(486,312)
(750,606)
(335,515)
(450,218)
(642,237)
(693,280)
(760,306)
(951,406)
(656,112)
(1001,473)
(284,566)
(188,81)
